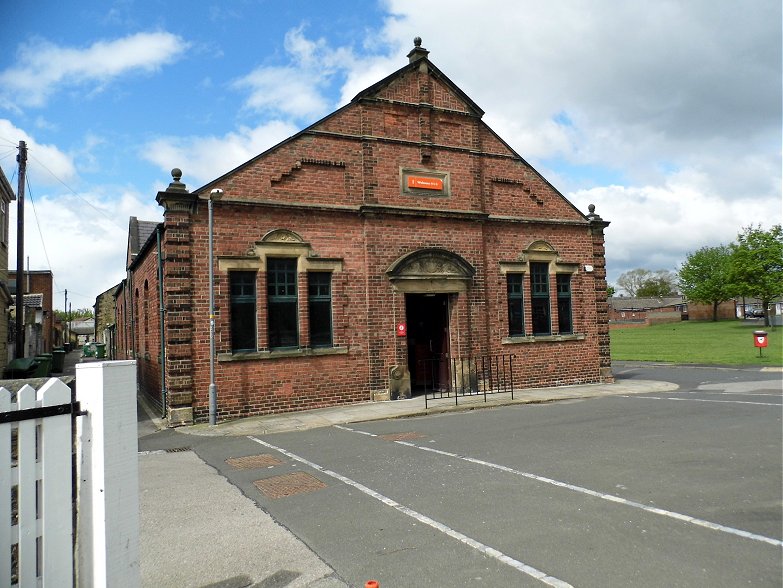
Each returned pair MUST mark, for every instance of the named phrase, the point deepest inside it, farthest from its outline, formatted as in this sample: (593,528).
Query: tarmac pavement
(198,530)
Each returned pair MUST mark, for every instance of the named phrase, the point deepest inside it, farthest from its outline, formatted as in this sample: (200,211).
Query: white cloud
(47,163)
(285,90)
(655,227)
(205,158)
(299,89)
(81,238)
(43,67)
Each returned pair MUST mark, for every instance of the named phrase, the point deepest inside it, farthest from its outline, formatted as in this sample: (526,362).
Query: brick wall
(337,191)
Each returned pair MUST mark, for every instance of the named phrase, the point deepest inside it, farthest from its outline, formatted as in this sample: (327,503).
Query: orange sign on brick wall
(425,183)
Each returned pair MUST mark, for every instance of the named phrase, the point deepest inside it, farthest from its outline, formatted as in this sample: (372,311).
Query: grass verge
(723,342)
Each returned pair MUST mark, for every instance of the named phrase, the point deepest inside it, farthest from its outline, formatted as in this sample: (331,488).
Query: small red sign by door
(402,330)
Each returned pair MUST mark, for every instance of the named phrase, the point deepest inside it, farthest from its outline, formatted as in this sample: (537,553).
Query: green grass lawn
(723,342)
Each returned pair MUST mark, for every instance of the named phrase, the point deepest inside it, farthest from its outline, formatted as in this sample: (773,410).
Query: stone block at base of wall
(179,417)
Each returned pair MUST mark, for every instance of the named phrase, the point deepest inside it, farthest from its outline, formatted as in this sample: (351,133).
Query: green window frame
(564,308)
(319,303)
(242,286)
(516,306)
(282,303)
(539,292)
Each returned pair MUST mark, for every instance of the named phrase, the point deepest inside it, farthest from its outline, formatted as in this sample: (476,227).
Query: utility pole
(65,322)
(22,159)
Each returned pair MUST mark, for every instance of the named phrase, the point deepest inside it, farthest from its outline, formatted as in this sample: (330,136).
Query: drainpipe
(162,330)
(132,317)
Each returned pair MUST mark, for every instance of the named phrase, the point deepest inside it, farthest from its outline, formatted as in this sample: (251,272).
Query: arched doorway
(431,279)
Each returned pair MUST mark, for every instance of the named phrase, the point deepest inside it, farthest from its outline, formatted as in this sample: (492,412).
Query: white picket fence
(39,546)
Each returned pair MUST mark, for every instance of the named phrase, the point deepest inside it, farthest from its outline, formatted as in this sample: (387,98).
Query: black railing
(473,376)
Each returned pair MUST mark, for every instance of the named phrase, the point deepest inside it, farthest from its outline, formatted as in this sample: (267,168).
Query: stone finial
(418,52)
(176,185)
(596,222)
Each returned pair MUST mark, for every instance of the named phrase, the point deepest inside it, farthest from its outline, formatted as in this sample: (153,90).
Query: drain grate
(289,485)
(249,462)
(402,436)
(178,449)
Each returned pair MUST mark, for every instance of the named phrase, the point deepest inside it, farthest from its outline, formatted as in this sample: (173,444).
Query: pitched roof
(5,187)
(418,59)
(632,303)
(33,300)
(138,233)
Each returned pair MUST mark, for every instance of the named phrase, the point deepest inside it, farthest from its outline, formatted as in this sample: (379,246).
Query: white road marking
(477,545)
(701,400)
(588,492)
(732,393)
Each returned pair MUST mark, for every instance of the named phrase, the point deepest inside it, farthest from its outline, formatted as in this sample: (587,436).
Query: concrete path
(198,530)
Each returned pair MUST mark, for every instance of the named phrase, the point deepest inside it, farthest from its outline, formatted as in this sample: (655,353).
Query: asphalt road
(679,489)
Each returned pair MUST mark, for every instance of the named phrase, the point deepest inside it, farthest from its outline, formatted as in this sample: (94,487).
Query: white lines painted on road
(446,530)
(593,493)
(700,400)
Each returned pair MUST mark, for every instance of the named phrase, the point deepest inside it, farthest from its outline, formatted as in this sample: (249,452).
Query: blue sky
(649,110)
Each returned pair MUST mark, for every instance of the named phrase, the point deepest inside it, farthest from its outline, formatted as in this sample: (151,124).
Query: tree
(642,282)
(79,313)
(610,291)
(704,277)
(657,287)
(756,267)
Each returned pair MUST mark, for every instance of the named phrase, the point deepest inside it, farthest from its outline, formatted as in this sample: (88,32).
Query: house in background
(355,259)
(630,310)
(6,197)
(105,312)
(41,326)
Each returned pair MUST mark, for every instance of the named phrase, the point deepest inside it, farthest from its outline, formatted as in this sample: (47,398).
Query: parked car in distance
(754,313)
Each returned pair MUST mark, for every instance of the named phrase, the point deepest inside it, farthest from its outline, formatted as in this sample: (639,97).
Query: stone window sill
(543,339)
(282,353)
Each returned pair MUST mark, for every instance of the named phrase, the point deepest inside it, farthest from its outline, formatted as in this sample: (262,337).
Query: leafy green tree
(704,277)
(610,291)
(756,268)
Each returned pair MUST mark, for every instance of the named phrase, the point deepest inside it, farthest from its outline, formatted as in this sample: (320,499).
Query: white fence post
(108,495)
(5,490)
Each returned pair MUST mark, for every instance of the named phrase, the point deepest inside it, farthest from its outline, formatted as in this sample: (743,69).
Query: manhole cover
(289,485)
(249,462)
(402,436)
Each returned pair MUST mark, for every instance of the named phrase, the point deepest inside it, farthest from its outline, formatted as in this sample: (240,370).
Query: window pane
(565,323)
(319,285)
(282,303)
(516,309)
(539,286)
(243,310)
(283,325)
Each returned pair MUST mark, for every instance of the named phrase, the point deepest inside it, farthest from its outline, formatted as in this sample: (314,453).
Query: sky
(665,114)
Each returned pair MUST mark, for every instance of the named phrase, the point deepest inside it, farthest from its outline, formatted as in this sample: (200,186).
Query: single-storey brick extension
(395,232)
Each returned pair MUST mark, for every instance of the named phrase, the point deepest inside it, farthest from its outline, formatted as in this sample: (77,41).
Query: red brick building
(401,213)
(39,282)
